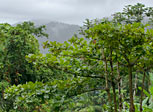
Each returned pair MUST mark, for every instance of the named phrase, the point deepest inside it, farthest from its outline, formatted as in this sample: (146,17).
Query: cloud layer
(69,11)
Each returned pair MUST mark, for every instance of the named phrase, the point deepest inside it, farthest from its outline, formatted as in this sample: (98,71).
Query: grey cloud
(69,11)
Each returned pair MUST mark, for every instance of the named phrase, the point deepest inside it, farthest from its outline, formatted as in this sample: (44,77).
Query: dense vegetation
(109,69)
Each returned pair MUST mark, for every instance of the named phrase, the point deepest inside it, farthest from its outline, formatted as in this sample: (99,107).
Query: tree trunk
(113,84)
(132,109)
(106,79)
(141,99)
(114,96)
(135,85)
(119,88)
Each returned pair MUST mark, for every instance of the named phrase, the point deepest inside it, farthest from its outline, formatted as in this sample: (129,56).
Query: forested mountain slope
(57,31)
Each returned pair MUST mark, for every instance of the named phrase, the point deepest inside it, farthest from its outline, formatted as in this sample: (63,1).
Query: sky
(67,11)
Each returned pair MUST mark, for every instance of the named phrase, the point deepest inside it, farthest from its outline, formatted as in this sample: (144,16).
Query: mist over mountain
(60,32)
(57,31)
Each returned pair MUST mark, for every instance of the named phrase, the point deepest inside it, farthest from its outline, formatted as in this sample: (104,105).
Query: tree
(109,53)
(17,42)
(133,13)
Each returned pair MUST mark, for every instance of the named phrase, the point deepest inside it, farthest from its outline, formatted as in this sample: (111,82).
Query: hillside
(57,31)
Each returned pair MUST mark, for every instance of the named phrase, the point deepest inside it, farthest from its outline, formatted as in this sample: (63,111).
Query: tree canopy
(108,69)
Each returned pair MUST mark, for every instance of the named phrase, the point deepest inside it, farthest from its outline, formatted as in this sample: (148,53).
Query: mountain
(57,31)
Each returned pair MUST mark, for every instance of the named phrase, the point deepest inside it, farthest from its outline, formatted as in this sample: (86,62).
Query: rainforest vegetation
(108,69)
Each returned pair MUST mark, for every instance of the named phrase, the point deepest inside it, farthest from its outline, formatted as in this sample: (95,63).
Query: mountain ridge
(57,31)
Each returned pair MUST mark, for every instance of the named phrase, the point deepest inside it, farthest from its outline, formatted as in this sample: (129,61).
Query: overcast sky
(68,11)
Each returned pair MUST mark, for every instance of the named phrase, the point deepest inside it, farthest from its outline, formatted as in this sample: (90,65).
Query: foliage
(127,44)
(148,101)
(17,42)
(133,13)
(30,96)
(82,74)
